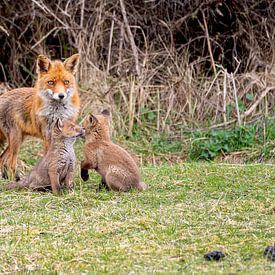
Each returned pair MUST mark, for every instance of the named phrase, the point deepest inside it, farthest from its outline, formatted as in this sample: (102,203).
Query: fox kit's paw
(84,174)
(142,186)
(102,185)
(71,186)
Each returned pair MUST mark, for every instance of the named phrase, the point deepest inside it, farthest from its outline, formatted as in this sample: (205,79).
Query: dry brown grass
(188,62)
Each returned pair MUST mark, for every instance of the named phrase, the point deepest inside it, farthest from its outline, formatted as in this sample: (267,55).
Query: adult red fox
(31,111)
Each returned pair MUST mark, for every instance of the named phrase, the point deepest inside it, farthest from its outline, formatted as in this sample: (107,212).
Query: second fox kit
(57,166)
(117,168)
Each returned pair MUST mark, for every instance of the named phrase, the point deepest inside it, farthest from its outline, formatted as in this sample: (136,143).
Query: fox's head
(97,127)
(56,79)
(66,130)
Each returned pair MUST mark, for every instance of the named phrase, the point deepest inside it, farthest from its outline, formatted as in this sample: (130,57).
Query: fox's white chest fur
(53,109)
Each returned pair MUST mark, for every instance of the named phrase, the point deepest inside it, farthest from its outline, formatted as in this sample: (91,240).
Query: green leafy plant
(208,145)
(147,115)
(162,144)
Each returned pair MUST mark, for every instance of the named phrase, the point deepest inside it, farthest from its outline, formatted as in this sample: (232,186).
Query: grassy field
(189,210)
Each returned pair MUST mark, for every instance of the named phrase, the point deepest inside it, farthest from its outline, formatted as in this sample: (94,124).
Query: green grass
(188,210)
(254,143)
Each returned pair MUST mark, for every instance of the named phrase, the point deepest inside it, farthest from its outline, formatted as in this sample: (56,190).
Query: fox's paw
(84,174)
(4,171)
(17,177)
(6,176)
(71,186)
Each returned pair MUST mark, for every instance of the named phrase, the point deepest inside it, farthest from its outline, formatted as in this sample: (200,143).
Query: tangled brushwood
(166,65)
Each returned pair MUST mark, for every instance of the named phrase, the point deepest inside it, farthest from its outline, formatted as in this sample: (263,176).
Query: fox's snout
(59,96)
(82,132)
(56,95)
(79,132)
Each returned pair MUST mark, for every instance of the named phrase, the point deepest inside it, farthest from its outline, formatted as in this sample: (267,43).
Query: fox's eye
(50,82)
(66,82)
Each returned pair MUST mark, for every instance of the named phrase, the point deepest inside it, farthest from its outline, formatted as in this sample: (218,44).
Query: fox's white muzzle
(49,94)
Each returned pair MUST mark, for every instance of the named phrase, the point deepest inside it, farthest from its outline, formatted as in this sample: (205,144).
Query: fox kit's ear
(59,124)
(71,63)
(93,120)
(43,64)
(105,112)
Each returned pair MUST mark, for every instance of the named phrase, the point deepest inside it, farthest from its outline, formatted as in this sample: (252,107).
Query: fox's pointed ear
(71,63)
(105,112)
(93,120)
(43,64)
(59,124)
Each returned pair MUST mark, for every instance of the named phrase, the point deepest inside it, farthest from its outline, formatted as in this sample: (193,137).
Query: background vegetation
(165,68)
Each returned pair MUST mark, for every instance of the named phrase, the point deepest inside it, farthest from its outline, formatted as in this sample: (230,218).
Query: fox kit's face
(97,126)
(66,130)
(56,80)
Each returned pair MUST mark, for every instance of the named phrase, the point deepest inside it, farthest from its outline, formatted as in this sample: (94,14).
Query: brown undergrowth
(166,66)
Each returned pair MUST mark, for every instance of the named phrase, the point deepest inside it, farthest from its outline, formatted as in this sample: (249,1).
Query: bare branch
(130,35)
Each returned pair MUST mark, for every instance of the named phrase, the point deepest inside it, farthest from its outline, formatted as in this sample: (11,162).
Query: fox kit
(117,168)
(31,111)
(57,166)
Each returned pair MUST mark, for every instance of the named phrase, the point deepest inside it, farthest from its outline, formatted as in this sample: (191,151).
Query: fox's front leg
(69,180)
(90,162)
(15,139)
(85,166)
(55,183)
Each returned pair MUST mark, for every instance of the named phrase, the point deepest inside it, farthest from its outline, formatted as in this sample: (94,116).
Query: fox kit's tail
(24,183)
(142,186)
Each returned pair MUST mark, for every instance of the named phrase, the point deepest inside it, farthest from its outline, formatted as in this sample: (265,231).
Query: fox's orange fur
(118,170)
(30,111)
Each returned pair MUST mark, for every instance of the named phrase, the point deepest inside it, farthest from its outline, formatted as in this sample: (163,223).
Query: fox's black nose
(82,133)
(61,96)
